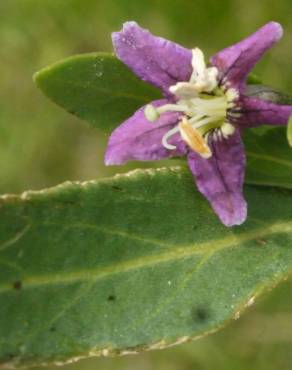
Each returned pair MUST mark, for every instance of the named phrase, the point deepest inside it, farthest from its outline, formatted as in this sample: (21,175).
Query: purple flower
(202,114)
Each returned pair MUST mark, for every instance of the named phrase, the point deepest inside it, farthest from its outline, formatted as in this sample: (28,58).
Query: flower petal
(154,59)
(220,178)
(256,112)
(139,139)
(236,61)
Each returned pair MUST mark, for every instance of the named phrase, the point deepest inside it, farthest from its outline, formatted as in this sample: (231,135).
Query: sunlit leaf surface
(131,263)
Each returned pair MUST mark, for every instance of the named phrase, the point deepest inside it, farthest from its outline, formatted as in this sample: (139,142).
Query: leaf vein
(15,238)
(266,157)
(181,252)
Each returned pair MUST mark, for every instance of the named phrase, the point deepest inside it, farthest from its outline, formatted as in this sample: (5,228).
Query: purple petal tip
(127,25)
(231,209)
(278,29)
(236,61)
(130,24)
(111,160)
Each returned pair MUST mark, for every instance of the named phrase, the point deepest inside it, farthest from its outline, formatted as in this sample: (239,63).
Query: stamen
(184,90)
(152,113)
(204,121)
(167,136)
(197,120)
(172,108)
(198,64)
(209,107)
(204,106)
(194,139)
(202,78)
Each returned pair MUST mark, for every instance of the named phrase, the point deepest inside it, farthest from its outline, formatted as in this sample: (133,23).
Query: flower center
(203,106)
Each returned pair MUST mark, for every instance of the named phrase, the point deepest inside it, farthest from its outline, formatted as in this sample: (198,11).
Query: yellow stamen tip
(194,139)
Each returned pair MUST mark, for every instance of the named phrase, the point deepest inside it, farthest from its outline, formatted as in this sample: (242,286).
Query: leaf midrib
(106,91)
(181,252)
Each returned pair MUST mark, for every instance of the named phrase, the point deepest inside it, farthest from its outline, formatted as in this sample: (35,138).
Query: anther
(194,139)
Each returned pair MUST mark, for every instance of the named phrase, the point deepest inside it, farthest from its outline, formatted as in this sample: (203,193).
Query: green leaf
(96,87)
(253,79)
(269,158)
(131,263)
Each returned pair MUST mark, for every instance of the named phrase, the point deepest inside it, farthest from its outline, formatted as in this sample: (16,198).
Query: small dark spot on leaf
(53,328)
(111,297)
(200,314)
(261,241)
(17,285)
(117,188)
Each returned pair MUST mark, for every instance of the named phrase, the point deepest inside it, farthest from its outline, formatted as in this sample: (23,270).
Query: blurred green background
(41,145)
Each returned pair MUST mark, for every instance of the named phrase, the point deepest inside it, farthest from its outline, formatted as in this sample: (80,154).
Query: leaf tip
(35,77)
(38,77)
